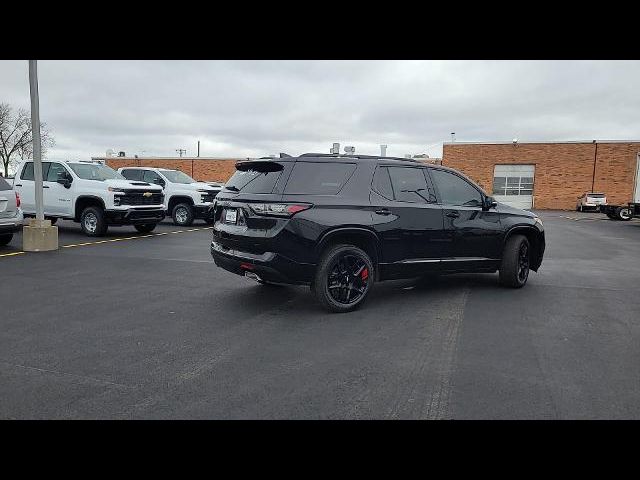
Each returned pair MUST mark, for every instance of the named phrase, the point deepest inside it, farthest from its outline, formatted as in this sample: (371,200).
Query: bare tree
(16,141)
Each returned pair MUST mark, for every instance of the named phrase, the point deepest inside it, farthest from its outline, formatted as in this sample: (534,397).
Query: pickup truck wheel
(146,228)
(182,214)
(5,239)
(53,220)
(623,213)
(514,268)
(344,278)
(92,222)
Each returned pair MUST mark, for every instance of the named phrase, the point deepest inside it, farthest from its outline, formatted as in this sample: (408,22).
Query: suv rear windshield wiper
(232,188)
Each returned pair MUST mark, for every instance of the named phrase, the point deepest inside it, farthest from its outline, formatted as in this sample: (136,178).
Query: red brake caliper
(364,274)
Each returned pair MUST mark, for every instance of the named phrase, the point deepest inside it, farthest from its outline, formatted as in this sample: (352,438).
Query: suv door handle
(383,211)
(45,186)
(454,214)
(18,185)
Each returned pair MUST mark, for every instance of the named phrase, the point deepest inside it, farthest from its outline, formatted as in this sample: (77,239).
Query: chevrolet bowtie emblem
(147,194)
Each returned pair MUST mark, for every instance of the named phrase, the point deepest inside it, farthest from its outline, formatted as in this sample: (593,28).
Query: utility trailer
(621,212)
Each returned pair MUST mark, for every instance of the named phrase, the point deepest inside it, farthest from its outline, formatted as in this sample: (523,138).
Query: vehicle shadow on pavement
(275,300)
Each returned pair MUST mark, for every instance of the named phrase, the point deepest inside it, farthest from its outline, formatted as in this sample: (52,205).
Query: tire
(93,222)
(611,216)
(623,214)
(514,268)
(145,228)
(53,220)
(343,270)
(210,221)
(5,239)
(182,214)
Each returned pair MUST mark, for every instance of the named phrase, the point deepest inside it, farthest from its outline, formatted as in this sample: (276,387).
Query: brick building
(550,175)
(200,168)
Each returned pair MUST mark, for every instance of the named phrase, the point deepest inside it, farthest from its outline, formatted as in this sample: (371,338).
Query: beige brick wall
(564,171)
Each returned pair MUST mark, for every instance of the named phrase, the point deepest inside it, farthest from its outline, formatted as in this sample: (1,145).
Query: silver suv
(10,213)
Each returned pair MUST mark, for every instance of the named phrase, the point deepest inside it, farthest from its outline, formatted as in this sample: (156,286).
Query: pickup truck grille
(208,197)
(140,199)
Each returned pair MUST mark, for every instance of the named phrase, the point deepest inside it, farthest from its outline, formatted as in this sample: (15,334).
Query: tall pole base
(39,236)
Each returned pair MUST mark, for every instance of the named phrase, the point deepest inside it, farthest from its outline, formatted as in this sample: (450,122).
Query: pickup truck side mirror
(64,180)
(489,203)
(159,181)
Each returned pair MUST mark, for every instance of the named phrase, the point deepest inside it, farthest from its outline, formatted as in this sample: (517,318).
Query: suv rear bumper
(12,224)
(270,266)
(133,216)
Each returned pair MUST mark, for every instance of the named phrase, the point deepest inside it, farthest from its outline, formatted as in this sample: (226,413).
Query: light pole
(35,131)
(39,235)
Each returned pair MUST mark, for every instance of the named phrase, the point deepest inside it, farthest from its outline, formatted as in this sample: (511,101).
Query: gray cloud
(252,108)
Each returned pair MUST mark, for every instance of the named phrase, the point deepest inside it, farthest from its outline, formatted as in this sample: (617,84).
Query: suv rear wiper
(232,188)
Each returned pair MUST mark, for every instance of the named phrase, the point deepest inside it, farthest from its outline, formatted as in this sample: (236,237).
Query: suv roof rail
(369,157)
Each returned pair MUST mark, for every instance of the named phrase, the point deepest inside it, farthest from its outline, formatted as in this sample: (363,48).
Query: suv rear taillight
(279,209)
(17,200)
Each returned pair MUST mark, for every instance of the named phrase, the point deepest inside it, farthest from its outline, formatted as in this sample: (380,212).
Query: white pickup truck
(90,193)
(185,198)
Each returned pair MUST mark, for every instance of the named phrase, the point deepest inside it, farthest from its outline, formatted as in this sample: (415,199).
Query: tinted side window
(4,185)
(455,190)
(132,174)
(409,184)
(382,183)
(318,178)
(27,171)
(54,170)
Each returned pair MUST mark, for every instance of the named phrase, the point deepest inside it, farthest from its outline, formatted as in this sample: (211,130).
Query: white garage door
(513,185)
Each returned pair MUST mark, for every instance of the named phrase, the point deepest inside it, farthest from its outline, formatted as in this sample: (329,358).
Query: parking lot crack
(65,374)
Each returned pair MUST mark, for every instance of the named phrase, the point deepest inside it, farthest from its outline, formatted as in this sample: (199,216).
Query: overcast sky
(256,108)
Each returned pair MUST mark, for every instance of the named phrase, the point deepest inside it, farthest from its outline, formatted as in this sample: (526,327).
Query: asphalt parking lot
(147,327)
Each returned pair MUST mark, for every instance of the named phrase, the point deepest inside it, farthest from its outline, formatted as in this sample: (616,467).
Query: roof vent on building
(121,154)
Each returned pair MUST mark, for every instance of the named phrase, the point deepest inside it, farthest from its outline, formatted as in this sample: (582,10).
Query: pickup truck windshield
(92,171)
(175,176)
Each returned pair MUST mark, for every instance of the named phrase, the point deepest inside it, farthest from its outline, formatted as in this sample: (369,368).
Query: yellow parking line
(133,238)
(10,254)
(116,240)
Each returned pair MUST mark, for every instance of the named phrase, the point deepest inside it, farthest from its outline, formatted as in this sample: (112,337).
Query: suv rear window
(319,178)
(259,178)
(4,185)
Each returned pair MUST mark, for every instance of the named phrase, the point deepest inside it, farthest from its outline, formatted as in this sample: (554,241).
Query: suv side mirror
(64,180)
(159,181)
(489,202)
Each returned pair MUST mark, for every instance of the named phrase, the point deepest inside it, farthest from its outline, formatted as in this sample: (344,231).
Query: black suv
(338,223)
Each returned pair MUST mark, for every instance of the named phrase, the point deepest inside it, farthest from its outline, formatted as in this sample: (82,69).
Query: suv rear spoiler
(259,165)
